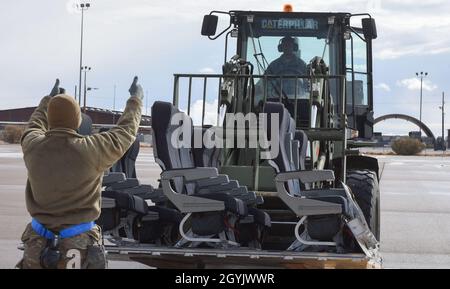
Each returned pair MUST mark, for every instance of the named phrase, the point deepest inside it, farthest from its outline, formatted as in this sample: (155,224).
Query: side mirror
(369,28)
(209,25)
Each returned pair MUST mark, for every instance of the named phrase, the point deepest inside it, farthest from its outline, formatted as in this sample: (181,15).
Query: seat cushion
(336,200)
(231,204)
(167,214)
(127,201)
(208,223)
(323,228)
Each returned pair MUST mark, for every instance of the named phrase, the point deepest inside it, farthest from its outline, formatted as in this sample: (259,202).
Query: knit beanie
(63,112)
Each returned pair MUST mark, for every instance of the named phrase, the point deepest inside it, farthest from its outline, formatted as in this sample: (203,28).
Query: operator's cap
(64,112)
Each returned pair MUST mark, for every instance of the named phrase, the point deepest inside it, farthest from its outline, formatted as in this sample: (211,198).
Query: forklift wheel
(365,187)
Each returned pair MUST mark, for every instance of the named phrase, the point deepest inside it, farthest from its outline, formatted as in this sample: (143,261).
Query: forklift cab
(342,50)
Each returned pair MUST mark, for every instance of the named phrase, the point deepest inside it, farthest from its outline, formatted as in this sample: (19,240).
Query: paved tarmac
(415,211)
(415,204)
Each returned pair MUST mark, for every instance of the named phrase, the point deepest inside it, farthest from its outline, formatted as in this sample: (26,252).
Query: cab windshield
(283,55)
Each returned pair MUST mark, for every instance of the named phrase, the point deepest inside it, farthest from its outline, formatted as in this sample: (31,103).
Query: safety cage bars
(249,83)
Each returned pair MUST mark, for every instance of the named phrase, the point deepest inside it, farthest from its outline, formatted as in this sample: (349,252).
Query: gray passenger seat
(323,211)
(125,212)
(216,205)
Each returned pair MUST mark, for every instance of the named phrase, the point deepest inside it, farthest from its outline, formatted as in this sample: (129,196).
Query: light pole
(82,7)
(421,75)
(85,69)
(114,105)
(443,119)
(146,102)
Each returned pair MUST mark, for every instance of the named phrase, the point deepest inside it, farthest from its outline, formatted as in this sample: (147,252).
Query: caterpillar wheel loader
(313,204)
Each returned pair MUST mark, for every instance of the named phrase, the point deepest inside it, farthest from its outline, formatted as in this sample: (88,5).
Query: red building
(98,115)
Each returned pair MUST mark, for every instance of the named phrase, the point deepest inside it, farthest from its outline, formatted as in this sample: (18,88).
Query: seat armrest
(306,206)
(127,184)
(219,188)
(190,174)
(185,203)
(204,183)
(306,176)
(111,178)
(108,203)
(139,190)
(151,216)
(156,196)
(324,193)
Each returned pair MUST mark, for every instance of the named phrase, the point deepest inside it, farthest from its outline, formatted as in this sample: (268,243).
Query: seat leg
(229,231)
(126,224)
(129,225)
(254,244)
(257,243)
(196,244)
(306,242)
(182,241)
(297,246)
(200,239)
(224,236)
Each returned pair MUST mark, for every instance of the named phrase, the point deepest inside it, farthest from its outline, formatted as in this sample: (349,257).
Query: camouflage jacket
(65,169)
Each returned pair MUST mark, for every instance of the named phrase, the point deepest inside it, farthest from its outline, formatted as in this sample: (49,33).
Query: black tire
(365,188)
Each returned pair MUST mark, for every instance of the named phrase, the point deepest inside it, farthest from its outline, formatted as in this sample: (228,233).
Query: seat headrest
(203,156)
(271,108)
(283,161)
(161,115)
(170,156)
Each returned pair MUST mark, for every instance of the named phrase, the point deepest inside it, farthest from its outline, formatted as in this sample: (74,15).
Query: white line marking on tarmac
(11,155)
(396,194)
(446,194)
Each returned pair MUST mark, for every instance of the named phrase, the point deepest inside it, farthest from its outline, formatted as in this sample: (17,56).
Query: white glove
(136,89)
(56,89)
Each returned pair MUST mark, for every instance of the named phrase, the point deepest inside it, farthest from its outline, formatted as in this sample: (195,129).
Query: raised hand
(56,89)
(136,89)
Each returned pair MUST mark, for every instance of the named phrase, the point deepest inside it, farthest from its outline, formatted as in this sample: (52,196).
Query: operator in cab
(289,63)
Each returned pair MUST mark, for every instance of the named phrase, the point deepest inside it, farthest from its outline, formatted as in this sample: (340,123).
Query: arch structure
(414,120)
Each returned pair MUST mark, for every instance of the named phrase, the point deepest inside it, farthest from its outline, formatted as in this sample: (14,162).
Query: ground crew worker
(65,169)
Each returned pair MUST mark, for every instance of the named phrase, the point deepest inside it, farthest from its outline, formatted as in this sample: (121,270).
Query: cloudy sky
(40,40)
